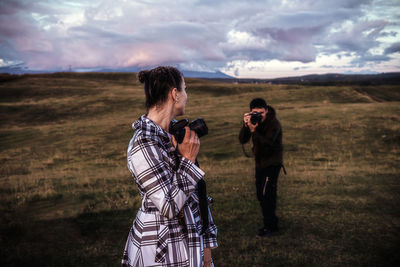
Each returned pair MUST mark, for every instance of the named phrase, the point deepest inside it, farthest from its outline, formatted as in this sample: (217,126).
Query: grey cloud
(7,50)
(367,59)
(293,36)
(9,7)
(293,44)
(394,48)
(391,33)
(358,39)
(301,68)
(354,3)
(91,32)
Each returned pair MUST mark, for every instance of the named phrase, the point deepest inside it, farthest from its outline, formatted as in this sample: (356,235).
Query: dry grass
(64,185)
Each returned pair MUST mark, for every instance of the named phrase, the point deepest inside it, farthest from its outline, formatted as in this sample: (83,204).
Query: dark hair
(158,82)
(258,103)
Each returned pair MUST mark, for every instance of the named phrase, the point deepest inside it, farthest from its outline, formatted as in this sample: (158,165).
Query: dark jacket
(267,141)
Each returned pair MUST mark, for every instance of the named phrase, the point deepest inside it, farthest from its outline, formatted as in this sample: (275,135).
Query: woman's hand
(207,257)
(190,146)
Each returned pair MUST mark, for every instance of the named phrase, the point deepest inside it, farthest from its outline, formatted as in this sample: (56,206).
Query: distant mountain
(20,69)
(203,74)
(186,73)
(360,72)
(105,69)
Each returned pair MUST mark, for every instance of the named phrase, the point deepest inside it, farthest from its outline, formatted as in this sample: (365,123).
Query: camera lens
(199,126)
(255,118)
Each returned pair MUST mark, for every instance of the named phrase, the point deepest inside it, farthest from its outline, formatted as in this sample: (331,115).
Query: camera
(255,118)
(177,128)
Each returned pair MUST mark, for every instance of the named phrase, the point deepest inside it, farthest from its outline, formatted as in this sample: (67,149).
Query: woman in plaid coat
(168,229)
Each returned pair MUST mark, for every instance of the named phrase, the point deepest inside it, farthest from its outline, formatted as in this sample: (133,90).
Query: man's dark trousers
(266,194)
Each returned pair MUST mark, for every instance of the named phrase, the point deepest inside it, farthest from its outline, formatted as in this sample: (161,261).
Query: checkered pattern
(167,184)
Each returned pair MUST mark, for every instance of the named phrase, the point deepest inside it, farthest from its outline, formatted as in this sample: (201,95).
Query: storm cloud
(196,35)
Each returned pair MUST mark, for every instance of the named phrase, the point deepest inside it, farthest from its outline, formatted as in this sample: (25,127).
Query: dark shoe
(264,233)
(261,230)
(273,230)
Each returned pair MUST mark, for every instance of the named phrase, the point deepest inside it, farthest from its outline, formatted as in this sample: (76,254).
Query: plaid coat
(167,184)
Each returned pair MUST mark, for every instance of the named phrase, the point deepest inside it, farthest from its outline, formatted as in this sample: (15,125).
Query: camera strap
(245,153)
(284,169)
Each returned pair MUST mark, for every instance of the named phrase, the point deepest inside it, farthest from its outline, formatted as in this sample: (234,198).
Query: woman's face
(181,98)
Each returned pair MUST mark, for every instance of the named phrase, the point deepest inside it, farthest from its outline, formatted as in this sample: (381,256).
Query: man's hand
(252,127)
(247,122)
(246,119)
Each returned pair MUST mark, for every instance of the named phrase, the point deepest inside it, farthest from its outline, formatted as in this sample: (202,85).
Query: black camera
(177,128)
(255,118)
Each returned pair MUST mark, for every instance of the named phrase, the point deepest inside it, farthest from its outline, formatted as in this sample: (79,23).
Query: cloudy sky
(254,38)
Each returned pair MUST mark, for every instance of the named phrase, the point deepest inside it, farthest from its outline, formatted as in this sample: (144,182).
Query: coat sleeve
(151,173)
(244,134)
(210,235)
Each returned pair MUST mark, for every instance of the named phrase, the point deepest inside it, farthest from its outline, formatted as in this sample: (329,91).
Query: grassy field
(68,199)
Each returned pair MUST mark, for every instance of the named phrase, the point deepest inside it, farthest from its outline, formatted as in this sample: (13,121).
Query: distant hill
(313,79)
(329,79)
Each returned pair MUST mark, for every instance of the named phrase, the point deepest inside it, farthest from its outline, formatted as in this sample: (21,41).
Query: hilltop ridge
(329,79)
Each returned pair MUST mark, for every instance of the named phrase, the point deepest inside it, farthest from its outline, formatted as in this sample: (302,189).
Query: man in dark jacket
(266,134)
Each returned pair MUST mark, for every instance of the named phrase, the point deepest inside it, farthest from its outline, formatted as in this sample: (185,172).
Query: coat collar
(150,128)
